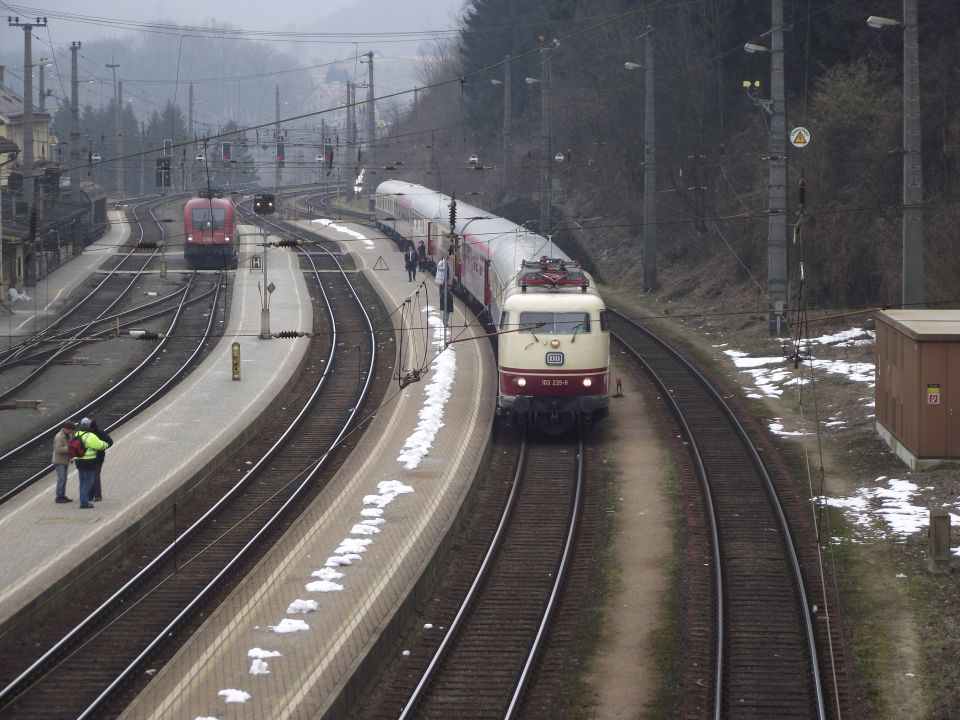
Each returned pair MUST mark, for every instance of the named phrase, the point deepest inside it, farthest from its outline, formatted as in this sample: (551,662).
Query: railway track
(79,323)
(96,668)
(497,601)
(769,652)
(187,316)
(188,335)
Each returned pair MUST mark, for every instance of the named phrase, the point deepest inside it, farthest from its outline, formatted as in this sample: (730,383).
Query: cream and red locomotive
(553,341)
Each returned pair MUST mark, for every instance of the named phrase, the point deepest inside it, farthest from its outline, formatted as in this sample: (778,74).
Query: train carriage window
(570,323)
(604,322)
(504,320)
(202,220)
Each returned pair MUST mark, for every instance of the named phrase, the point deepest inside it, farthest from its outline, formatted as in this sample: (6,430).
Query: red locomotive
(209,231)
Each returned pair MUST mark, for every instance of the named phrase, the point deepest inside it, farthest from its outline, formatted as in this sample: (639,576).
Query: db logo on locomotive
(554,358)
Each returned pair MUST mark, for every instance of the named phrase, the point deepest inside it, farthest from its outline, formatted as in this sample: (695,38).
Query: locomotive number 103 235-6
(553,382)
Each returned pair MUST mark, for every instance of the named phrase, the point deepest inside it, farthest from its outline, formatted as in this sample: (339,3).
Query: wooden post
(939,532)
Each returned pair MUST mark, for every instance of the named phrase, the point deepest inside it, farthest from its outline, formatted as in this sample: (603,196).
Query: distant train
(210,231)
(554,346)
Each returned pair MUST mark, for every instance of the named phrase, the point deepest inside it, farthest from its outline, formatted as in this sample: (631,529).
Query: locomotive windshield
(568,323)
(201,218)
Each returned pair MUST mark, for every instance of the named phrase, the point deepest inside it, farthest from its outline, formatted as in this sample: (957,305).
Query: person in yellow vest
(87,464)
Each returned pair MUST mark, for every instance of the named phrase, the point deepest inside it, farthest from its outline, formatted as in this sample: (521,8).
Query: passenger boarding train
(553,341)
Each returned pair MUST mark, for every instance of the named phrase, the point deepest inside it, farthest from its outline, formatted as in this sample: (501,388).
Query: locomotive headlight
(226,238)
(554,343)
(189,237)
(587,382)
(521,382)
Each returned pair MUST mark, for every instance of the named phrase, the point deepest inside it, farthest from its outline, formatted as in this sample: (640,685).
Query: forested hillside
(844,83)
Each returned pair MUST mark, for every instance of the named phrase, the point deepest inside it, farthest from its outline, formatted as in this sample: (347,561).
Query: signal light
(281,154)
(226,151)
(163,172)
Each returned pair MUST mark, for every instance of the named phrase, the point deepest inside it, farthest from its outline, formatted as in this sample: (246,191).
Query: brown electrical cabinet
(918,384)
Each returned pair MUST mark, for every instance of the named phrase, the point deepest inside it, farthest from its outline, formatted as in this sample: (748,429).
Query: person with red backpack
(87,463)
(61,459)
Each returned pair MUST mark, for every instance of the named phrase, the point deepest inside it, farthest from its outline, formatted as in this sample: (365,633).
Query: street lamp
(878,23)
(42,63)
(912,283)
(649,164)
(753,48)
(507,127)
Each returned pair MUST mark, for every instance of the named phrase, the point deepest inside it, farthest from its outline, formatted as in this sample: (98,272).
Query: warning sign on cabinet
(933,394)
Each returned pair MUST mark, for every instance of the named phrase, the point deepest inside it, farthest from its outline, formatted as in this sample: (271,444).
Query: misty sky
(69,20)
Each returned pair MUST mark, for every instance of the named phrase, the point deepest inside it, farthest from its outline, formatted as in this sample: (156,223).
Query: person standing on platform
(422,257)
(410,263)
(446,294)
(96,492)
(61,459)
(87,464)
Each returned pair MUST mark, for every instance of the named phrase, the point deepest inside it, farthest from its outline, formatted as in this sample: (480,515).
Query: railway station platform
(46,545)
(296,638)
(26,316)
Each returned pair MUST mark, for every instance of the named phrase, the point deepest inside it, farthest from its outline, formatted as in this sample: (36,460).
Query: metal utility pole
(913,294)
(193,147)
(278,171)
(649,173)
(370,179)
(143,154)
(351,150)
(42,97)
(120,162)
(75,124)
(26,153)
(777,203)
(116,100)
(546,156)
(507,130)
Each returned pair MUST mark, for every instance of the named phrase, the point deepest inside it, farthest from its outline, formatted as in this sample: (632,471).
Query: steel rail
(787,538)
(129,377)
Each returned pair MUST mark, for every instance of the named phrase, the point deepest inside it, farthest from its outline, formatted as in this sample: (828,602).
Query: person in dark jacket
(422,257)
(96,493)
(87,464)
(410,262)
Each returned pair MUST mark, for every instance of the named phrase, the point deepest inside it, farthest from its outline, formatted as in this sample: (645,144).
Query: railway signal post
(264,204)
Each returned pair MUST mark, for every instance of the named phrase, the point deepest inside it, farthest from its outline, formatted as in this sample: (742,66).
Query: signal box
(918,384)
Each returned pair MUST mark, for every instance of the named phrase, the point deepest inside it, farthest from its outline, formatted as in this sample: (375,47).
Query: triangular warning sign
(381,264)
(799,139)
